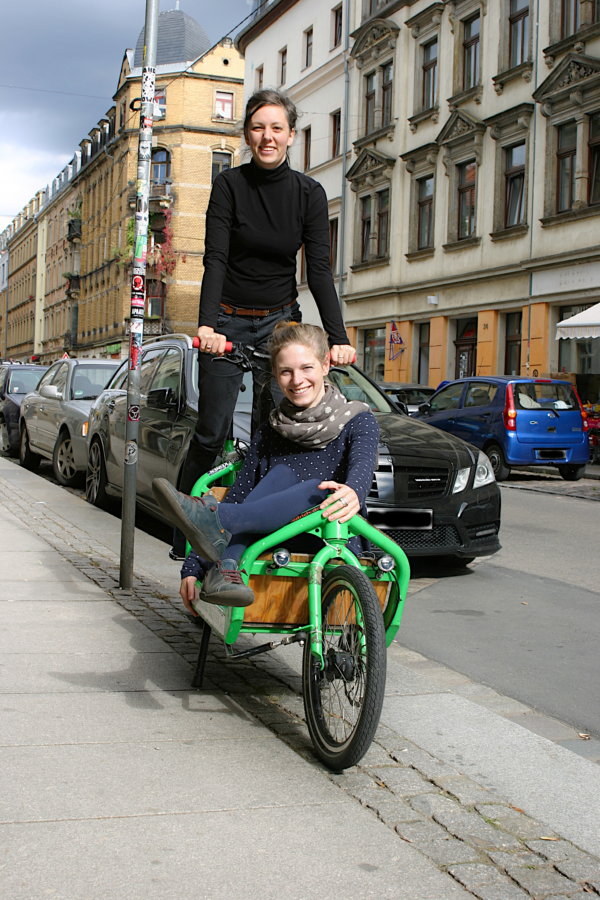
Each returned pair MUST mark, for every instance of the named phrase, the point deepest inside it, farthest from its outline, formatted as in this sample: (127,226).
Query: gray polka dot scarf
(316,427)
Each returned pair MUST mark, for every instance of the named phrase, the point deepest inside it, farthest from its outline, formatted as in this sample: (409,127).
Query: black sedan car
(16,380)
(432,493)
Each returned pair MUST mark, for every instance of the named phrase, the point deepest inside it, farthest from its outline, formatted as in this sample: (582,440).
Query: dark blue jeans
(219,384)
(277,499)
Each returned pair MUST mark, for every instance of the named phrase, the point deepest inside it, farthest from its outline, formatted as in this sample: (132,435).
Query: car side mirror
(425,408)
(162,398)
(402,406)
(50,392)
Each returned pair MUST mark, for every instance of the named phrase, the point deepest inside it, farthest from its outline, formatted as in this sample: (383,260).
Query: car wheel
(27,459)
(95,479)
(63,461)
(496,457)
(572,473)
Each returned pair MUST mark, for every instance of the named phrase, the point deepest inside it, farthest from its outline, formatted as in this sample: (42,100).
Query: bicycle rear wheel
(343,702)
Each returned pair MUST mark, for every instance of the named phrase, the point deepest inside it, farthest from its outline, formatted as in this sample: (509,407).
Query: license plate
(401,519)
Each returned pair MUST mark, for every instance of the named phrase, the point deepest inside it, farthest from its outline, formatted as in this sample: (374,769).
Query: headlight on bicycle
(281,557)
(386,563)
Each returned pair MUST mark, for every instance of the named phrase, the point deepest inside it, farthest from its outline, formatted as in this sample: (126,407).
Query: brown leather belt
(242,311)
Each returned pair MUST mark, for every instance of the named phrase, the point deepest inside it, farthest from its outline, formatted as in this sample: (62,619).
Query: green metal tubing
(358,525)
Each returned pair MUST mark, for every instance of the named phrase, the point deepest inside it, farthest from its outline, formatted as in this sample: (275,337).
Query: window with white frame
(224,105)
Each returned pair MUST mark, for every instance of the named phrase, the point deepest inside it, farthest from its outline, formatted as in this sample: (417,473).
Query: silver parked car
(54,417)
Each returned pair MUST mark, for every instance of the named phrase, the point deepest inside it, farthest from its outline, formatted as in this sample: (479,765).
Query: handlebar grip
(196,345)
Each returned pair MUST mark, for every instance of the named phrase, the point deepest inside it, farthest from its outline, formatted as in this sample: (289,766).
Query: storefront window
(424,353)
(374,356)
(466,348)
(581,358)
(512,362)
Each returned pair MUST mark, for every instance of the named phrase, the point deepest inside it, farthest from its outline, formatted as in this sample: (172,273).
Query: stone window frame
(508,128)
(558,44)
(506,72)
(461,12)
(420,163)
(370,174)
(570,93)
(374,48)
(462,141)
(425,28)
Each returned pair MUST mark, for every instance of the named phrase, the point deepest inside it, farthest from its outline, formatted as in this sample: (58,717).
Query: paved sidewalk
(117,779)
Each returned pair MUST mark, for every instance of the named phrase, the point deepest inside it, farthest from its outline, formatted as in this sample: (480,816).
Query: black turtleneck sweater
(256,221)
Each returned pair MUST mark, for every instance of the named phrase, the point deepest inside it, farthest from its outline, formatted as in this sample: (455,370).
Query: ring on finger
(343,501)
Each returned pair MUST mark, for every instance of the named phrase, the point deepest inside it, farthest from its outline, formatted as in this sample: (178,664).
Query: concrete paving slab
(544,726)
(32,566)
(588,749)
(85,628)
(48,591)
(36,720)
(549,783)
(106,780)
(295,852)
(130,671)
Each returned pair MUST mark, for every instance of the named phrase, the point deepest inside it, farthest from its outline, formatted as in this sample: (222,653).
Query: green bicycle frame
(228,622)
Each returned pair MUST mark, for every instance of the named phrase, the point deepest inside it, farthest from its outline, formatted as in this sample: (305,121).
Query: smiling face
(269,135)
(301,376)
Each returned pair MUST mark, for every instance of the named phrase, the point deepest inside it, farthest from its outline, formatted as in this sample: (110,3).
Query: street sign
(66,355)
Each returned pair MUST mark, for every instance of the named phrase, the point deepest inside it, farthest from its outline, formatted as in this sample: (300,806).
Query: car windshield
(355,386)
(244,401)
(24,380)
(414,395)
(89,381)
(351,382)
(536,395)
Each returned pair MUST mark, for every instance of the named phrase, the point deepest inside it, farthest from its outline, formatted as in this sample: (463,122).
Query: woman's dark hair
(270,97)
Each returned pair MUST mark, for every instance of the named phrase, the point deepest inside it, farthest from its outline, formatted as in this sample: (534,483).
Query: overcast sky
(75,47)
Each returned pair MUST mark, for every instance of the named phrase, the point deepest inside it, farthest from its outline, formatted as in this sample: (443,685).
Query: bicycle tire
(341,740)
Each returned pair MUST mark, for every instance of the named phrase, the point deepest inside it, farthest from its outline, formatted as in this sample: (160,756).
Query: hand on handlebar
(209,341)
(333,506)
(342,355)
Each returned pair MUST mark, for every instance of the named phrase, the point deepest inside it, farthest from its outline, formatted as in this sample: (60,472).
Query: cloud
(76,48)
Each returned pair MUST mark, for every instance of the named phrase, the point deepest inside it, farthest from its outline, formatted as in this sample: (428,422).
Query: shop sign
(566,278)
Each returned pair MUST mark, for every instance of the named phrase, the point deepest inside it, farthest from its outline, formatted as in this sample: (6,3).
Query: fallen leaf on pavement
(584,737)
(549,839)
(523,603)
(516,808)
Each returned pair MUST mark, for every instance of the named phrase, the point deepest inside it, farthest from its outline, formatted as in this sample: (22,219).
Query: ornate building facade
(473,136)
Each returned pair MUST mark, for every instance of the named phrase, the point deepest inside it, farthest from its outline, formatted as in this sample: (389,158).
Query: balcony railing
(74,232)
(160,193)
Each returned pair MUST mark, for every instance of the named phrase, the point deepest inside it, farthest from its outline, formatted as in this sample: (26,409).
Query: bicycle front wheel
(343,701)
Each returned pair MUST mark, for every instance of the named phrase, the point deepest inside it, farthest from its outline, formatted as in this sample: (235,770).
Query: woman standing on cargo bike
(258,217)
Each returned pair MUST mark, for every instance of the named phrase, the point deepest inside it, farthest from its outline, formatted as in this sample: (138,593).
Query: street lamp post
(138,295)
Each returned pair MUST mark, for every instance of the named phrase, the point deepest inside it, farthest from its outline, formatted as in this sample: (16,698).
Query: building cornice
(266,18)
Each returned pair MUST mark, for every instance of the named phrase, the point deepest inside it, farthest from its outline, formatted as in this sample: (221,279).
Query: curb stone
(449,818)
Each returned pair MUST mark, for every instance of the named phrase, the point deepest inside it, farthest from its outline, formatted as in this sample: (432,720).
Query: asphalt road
(525,622)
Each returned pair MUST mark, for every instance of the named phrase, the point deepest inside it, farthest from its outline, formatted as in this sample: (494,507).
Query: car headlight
(461,480)
(84,429)
(484,473)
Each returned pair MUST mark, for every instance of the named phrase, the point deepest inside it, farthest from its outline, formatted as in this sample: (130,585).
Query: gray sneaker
(196,517)
(223,585)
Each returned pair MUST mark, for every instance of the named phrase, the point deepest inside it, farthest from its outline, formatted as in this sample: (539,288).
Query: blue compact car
(515,421)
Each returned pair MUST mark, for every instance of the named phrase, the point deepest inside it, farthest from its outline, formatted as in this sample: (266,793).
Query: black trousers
(219,383)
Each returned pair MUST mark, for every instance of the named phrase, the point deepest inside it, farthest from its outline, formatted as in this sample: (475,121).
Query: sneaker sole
(167,498)
(221,600)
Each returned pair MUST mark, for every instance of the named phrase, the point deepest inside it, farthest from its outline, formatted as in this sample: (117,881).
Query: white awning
(585,324)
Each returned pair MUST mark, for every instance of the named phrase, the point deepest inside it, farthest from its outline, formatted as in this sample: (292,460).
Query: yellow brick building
(199,102)
(22,274)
